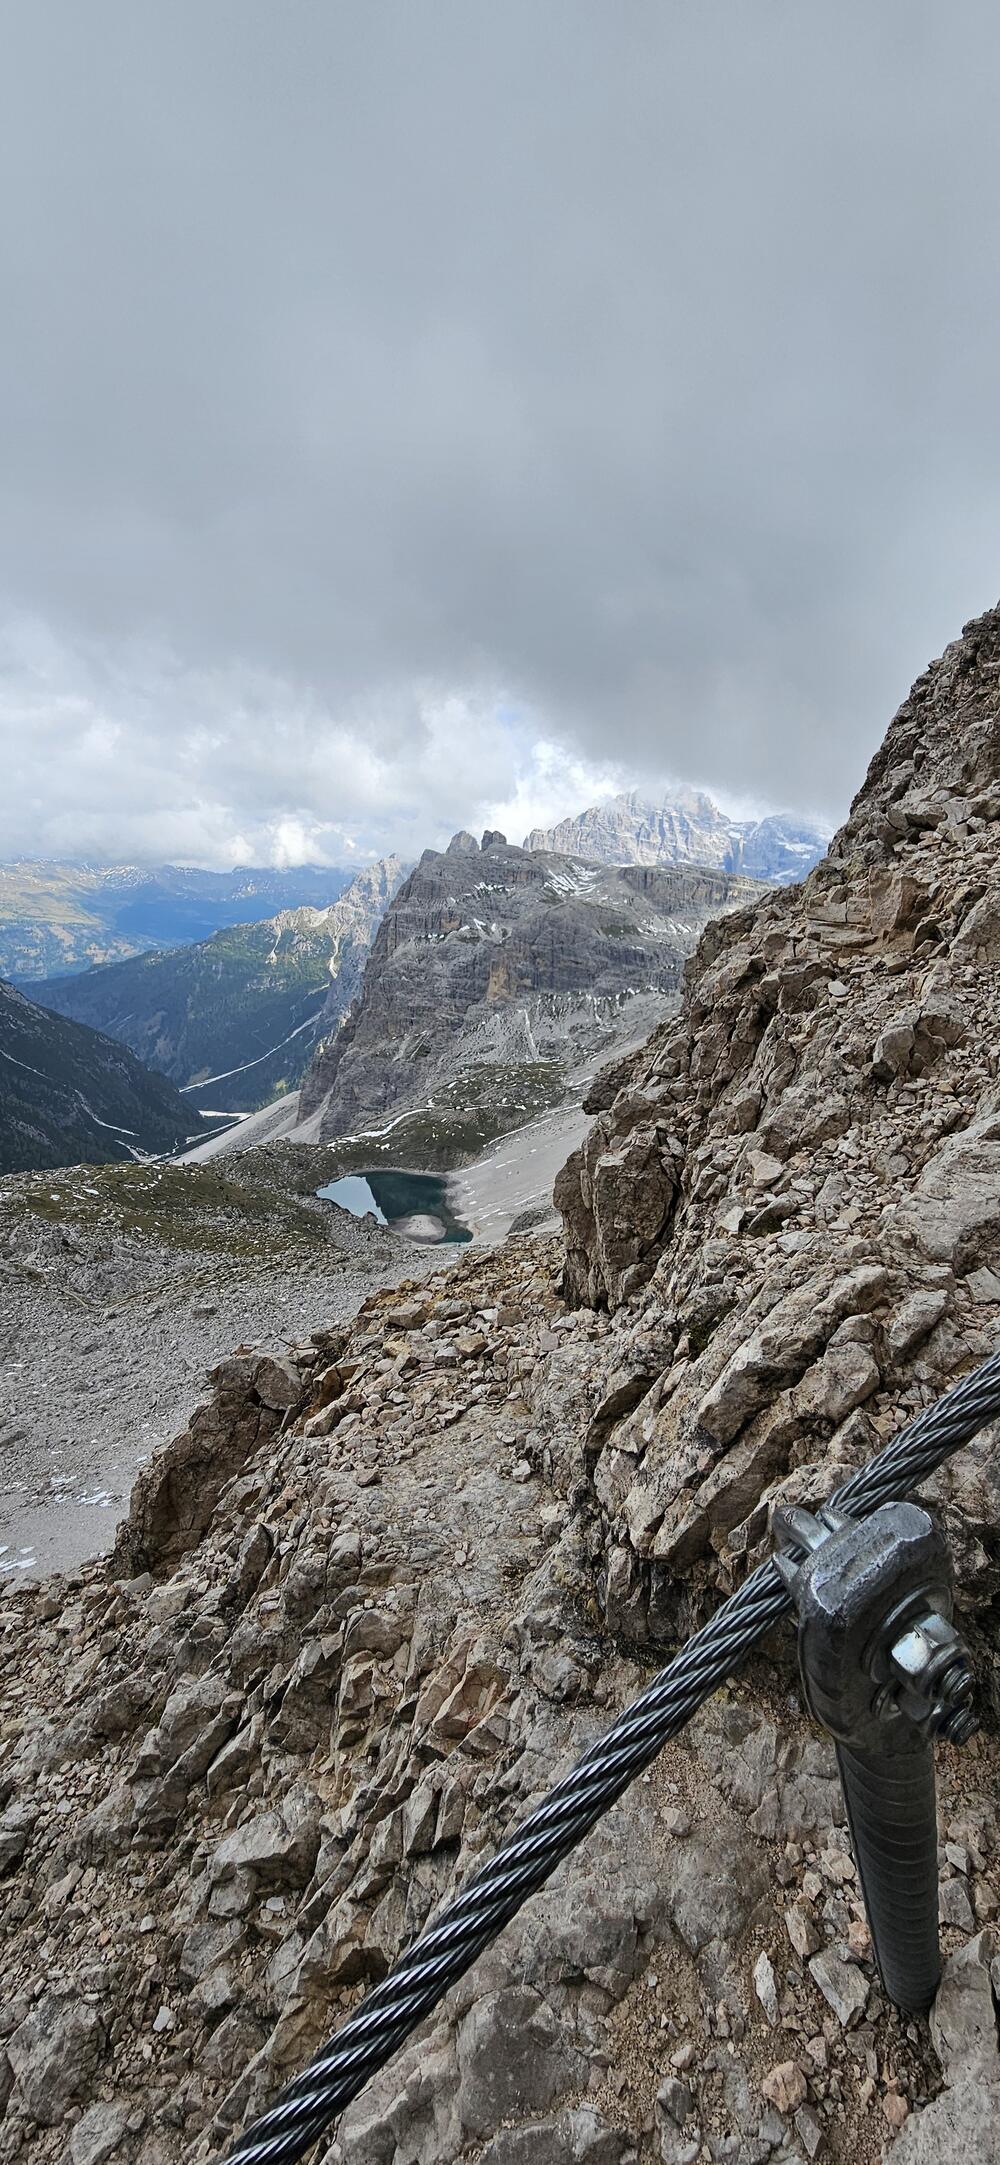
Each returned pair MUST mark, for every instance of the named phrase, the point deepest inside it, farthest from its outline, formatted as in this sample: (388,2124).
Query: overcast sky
(423,412)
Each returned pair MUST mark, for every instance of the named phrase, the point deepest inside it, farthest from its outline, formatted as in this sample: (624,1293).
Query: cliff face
(500,956)
(687,827)
(799,1178)
(384,1588)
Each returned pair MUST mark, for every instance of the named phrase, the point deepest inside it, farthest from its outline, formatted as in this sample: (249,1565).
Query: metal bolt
(933,1665)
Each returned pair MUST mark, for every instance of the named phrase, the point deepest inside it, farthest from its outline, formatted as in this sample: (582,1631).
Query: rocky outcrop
(175,1496)
(494,959)
(440,1547)
(687,828)
(816,1145)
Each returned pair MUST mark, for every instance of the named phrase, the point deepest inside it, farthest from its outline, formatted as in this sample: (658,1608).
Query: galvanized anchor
(886,1673)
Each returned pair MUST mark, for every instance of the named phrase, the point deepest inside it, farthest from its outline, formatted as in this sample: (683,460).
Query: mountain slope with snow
(59,918)
(688,828)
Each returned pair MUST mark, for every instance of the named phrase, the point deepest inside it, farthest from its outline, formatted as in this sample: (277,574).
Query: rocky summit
(686,827)
(389,1582)
(494,970)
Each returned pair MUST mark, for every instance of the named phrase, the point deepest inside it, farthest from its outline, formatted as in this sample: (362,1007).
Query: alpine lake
(414,1204)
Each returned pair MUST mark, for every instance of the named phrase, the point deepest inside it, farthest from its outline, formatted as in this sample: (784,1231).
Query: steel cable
(447,1948)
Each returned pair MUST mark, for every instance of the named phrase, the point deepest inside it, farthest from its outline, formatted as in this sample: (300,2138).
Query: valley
(120,1288)
(62,918)
(438,1511)
(68,1094)
(233,1019)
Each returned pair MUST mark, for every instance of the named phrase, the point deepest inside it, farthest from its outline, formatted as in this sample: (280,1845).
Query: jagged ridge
(503,958)
(687,827)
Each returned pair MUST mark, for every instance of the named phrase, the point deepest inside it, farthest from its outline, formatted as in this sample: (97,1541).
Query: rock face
(687,828)
(233,1020)
(494,961)
(816,1146)
(240,1768)
(436,1548)
(68,1094)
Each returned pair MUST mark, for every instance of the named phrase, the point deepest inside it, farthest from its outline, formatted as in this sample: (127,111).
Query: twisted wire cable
(448,1947)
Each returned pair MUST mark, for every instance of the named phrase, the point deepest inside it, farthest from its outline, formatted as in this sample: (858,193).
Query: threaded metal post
(892,1812)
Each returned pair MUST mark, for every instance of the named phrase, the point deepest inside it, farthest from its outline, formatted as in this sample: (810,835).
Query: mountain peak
(687,827)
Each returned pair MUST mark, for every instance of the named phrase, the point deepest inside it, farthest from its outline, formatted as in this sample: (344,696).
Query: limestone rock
(511,2054)
(277,1848)
(174,1496)
(954,1216)
(964,2122)
(53,2054)
(963,2018)
(785,2086)
(842,1984)
(16,1825)
(98,2134)
(579,2136)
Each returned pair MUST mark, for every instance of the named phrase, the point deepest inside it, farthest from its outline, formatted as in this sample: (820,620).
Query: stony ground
(270,1742)
(386,1585)
(149,1275)
(119,1288)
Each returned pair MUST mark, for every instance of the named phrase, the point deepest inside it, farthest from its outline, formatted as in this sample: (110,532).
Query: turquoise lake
(417,1204)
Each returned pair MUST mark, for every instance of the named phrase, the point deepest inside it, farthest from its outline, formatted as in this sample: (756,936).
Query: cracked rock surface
(386,1586)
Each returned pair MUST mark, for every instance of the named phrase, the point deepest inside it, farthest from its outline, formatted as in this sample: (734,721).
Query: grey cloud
(635,365)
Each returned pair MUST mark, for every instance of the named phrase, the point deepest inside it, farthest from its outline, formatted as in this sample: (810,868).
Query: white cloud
(400,410)
(552,783)
(125,755)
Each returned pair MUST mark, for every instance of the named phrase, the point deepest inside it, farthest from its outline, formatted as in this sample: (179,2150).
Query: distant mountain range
(69,1096)
(492,972)
(56,918)
(233,1020)
(688,828)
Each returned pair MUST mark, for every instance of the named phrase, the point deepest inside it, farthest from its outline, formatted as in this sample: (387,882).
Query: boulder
(98,2133)
(54,2055)
(512,2054)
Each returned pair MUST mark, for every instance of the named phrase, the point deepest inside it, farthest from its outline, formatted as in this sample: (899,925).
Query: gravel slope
(119,1288)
